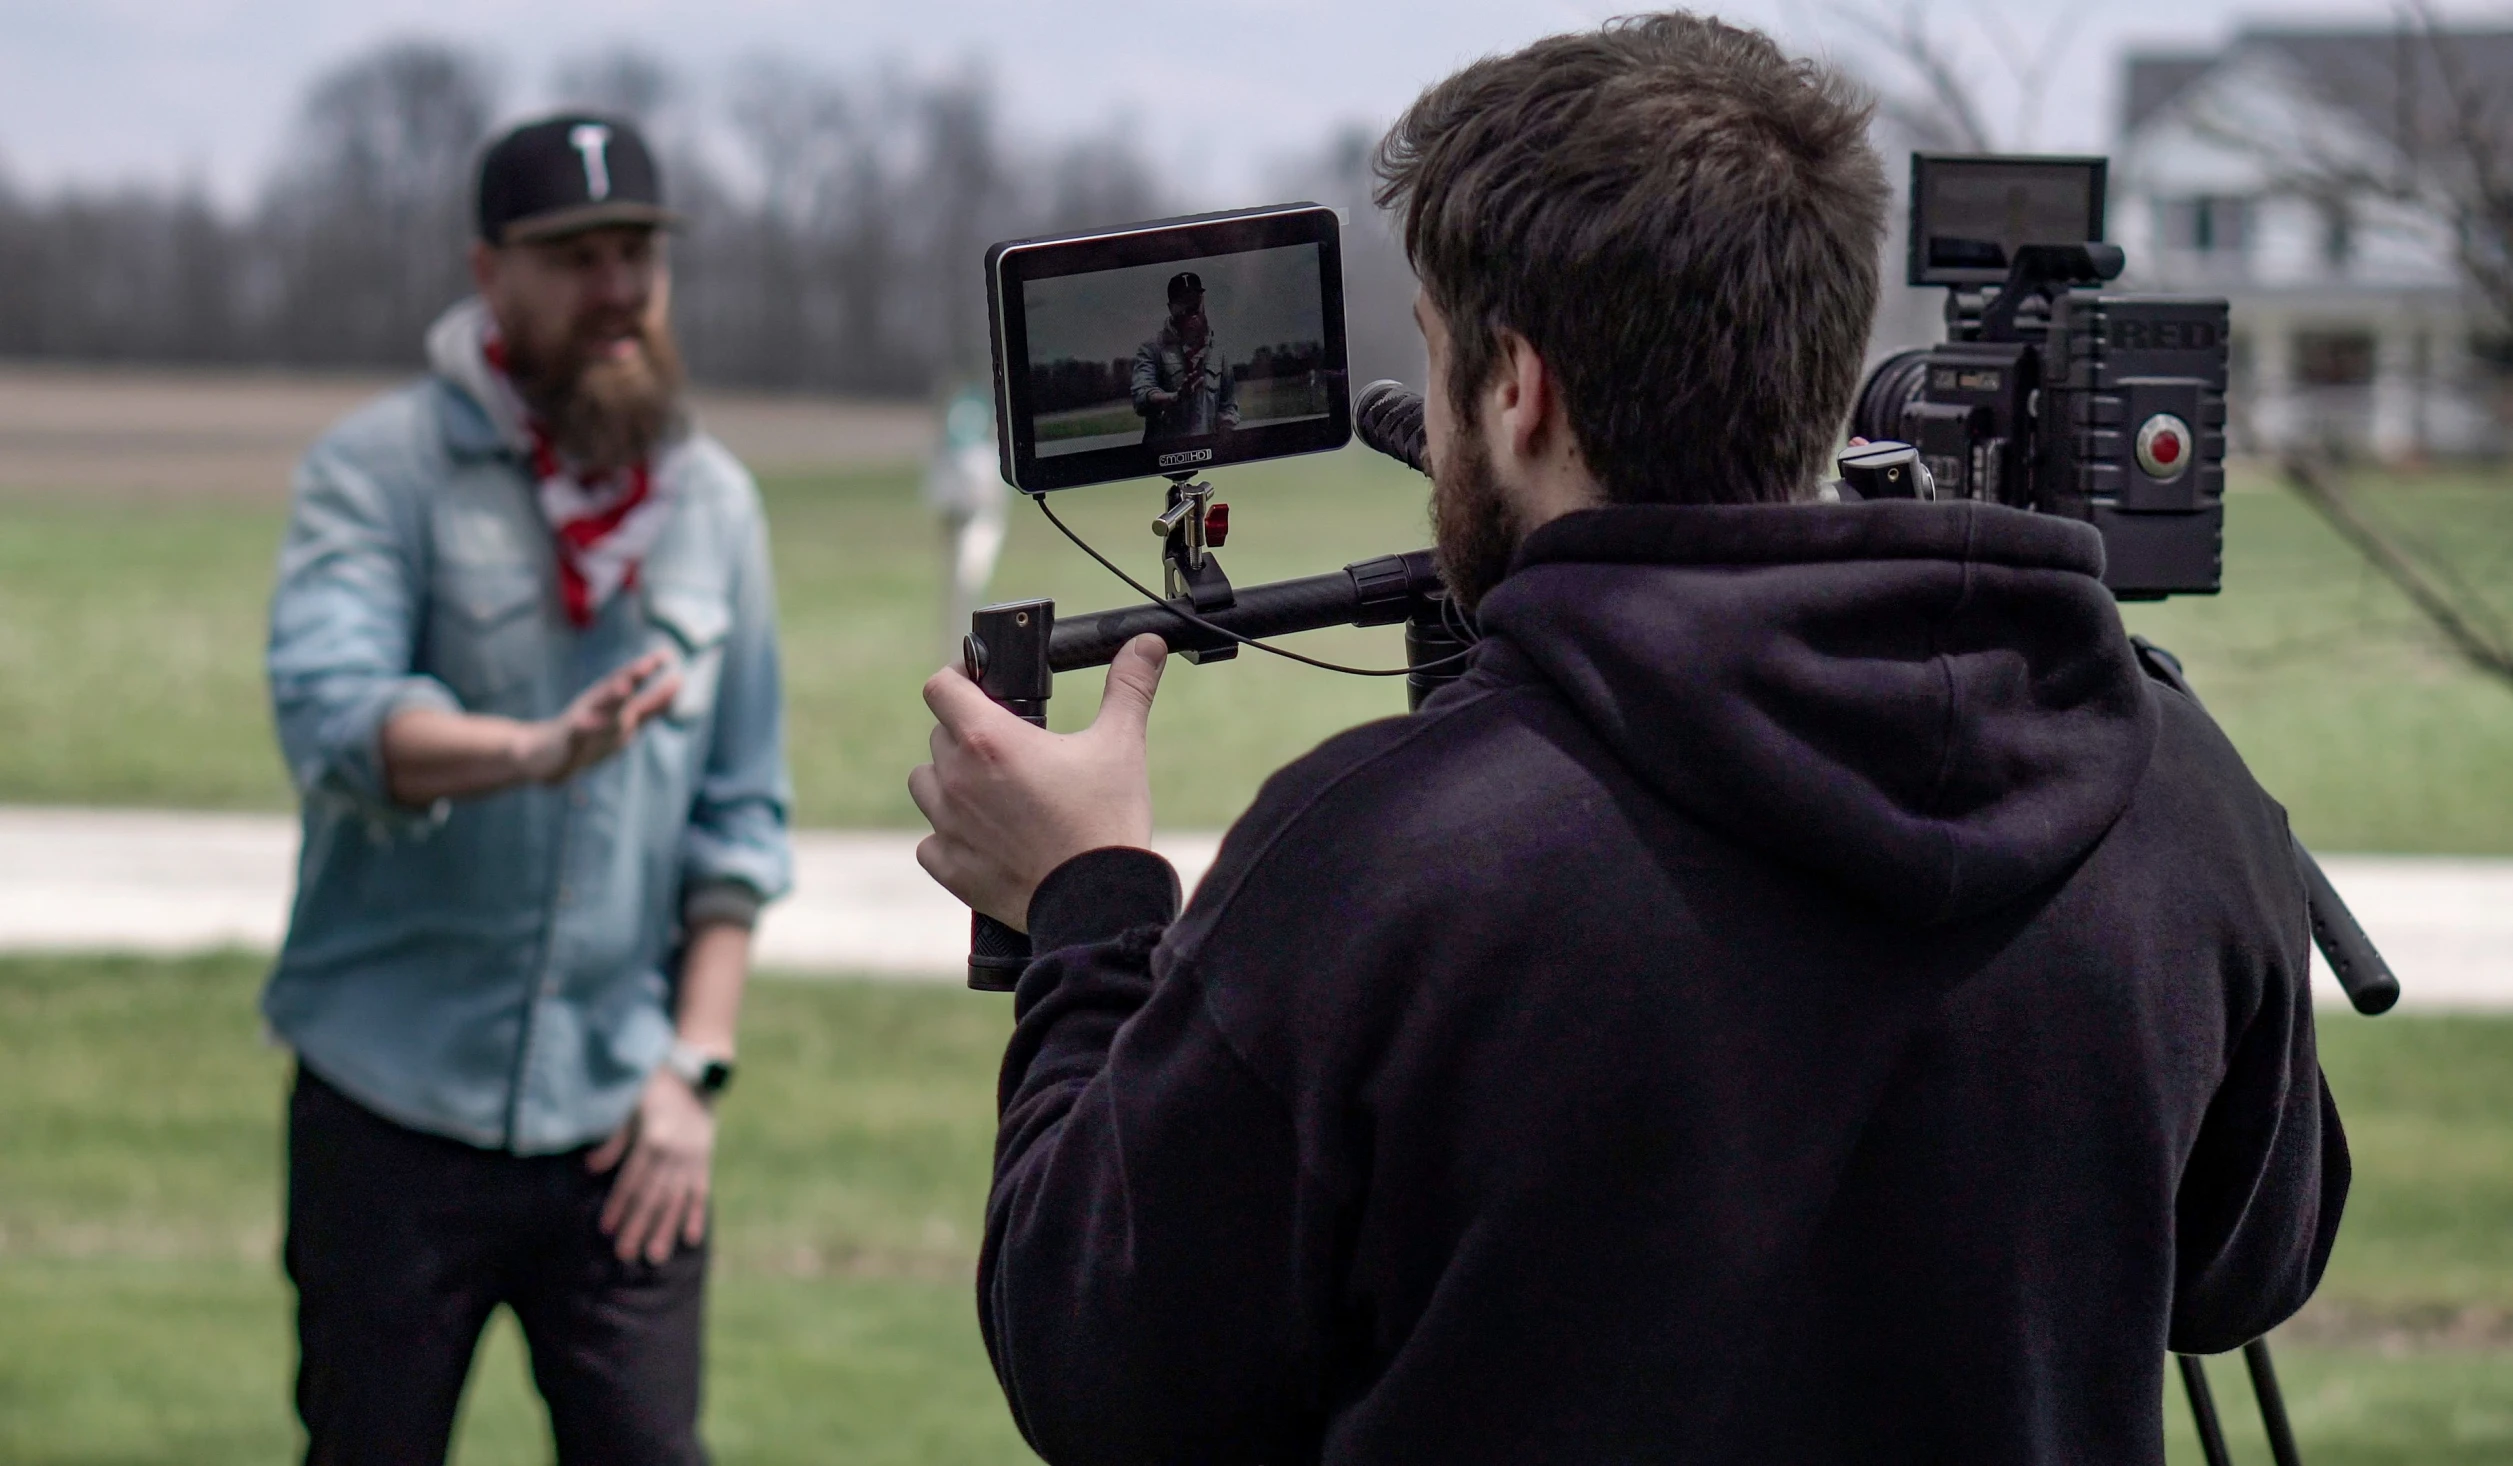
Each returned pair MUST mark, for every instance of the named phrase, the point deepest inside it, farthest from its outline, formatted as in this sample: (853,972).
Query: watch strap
(707,1074)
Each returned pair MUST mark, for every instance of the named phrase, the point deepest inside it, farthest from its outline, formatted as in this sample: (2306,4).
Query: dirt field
(233,434)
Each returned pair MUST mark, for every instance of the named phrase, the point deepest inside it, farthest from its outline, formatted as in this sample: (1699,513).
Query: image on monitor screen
(1185,350)
(1970,215)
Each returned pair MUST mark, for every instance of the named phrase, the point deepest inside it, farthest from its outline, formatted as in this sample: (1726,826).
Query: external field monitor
(1968,214)
(1169,347)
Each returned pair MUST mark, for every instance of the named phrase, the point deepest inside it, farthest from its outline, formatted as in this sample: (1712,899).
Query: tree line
(836,247)
(1067,382)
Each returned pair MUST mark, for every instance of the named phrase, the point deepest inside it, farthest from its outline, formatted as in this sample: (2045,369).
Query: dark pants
(401,1245)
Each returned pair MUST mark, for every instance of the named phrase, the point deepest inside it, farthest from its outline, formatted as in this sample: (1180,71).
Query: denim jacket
(500,970)
(1208,396)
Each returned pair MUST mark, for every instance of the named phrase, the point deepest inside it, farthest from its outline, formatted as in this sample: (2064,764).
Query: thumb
(608,1153)
(606,696)
(1133,677)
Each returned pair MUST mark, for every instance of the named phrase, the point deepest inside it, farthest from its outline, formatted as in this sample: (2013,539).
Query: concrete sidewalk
(82,880)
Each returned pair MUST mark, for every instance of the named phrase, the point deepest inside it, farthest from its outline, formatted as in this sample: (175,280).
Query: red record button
(2164,446)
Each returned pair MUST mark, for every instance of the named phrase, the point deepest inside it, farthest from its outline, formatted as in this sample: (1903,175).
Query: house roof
(2154,81)
(2360,70)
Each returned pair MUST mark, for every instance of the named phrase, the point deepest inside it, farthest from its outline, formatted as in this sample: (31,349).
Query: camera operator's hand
(1010,802)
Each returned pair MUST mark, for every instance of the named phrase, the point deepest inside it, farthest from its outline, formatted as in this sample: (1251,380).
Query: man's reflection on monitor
(1182,383)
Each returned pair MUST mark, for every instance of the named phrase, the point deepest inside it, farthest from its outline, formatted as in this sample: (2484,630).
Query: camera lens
(1894,385)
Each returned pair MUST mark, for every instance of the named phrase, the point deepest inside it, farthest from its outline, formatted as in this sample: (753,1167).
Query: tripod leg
(2194,1379)
(2272,1403)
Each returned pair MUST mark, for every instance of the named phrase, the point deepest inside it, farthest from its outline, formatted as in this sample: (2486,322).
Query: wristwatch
(707,1074)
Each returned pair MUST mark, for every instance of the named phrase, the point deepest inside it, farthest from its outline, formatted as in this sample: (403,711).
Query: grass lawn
(1089,422)
(130,642)
(2347,704)
(143,1319)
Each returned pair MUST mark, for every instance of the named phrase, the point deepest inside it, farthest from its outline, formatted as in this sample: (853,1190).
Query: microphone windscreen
(1388,417)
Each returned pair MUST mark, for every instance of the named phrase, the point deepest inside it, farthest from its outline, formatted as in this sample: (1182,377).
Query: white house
(2352,326)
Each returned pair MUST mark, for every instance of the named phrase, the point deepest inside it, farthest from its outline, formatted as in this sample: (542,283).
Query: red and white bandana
(603,526)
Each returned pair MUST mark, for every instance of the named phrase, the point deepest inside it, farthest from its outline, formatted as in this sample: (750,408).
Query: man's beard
(1473,532)
(603,411)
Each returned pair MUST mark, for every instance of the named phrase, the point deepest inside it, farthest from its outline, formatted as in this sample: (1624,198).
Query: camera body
(2050,392)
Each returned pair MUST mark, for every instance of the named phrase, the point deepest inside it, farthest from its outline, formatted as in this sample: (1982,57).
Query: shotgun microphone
(1388,417)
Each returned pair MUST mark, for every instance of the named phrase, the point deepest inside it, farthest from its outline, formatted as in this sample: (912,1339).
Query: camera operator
(1804,995)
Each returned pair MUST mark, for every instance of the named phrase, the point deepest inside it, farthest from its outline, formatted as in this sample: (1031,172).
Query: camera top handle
(2040,270)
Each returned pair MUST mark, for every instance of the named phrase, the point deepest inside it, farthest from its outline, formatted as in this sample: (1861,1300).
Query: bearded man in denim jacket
(524,668)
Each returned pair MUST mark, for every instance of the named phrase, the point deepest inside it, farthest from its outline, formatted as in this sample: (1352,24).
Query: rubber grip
(2361,972)
(997,954)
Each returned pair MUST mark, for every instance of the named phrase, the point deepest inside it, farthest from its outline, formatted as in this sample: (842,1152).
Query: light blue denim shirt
(500,970)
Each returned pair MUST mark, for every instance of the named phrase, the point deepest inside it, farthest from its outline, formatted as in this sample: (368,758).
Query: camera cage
(2050,391)
(1013,265)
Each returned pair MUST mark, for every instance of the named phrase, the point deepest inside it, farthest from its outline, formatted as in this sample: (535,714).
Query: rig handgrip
(2361,971)
(998,955)
(1366,593)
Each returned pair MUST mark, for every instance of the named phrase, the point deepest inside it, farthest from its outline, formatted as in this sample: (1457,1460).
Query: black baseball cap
(564,175)
(1184,284)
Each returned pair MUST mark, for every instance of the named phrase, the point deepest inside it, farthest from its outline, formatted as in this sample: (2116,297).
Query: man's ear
(484,262)
(1523,400)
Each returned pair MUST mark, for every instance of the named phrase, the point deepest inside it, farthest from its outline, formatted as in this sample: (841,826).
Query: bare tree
(367,220)
(619,81)
(964,174)
(2431,584)
(1937,97)
(1381,339)
(2417,131)
(1094,182)
(1933,95)
(1924,91)
(845,256)
(2414,128)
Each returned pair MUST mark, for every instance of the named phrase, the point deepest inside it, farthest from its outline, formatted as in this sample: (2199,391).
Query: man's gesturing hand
(1009,802)
(600,721)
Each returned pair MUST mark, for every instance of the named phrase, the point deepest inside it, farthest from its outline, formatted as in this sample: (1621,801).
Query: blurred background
(223,224)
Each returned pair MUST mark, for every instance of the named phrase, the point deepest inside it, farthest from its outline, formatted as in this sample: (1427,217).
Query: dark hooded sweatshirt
(1803,997)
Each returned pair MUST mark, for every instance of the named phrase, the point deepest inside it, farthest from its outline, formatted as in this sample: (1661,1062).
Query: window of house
(2334,358)
(2338,235)
(2208,224)
(2492,352)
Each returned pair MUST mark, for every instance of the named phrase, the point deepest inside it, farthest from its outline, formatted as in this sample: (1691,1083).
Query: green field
(1264,398)
(130,641)
(1088,422)
(143,1318)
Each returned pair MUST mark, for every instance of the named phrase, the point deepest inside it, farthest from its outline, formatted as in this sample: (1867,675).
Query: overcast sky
(98,92)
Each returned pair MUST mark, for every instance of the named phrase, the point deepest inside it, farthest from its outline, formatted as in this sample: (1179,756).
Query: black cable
(1183,614)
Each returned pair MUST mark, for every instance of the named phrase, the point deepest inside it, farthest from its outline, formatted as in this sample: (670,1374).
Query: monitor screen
(1969,214)
(1169,347)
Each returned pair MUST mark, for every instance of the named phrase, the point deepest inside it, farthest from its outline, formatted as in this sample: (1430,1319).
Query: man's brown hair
(1681,220)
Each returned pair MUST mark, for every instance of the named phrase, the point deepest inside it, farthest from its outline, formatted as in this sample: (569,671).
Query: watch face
(714,1078)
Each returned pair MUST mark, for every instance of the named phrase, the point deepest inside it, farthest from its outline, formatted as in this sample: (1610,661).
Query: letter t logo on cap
(591,139)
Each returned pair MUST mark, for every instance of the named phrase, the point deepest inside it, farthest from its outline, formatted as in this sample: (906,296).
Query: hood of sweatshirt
(1934,706)
(457,353)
